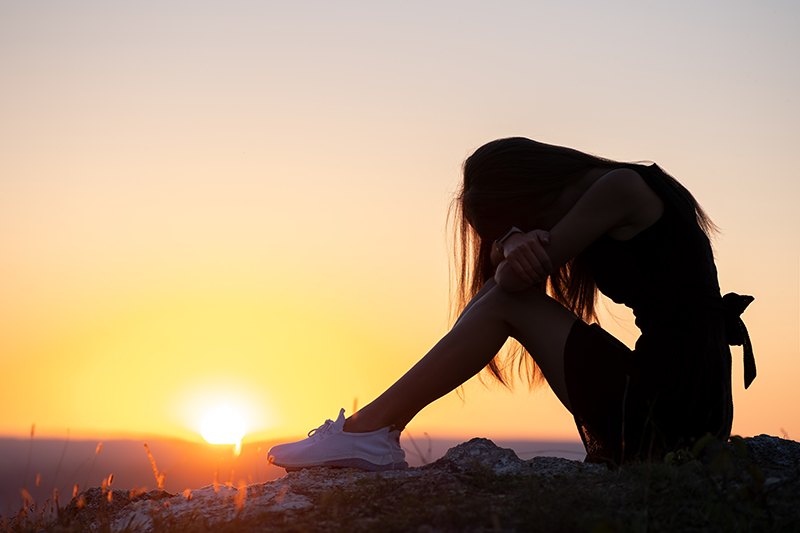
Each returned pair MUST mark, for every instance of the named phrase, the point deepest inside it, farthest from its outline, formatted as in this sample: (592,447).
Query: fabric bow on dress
(736,332)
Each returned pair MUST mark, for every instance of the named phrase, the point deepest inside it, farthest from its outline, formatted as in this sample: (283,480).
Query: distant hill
(185,464)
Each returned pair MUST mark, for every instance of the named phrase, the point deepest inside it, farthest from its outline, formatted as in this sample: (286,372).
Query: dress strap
(736,332)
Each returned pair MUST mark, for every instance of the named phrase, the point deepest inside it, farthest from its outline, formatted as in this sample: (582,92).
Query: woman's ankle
(354,424)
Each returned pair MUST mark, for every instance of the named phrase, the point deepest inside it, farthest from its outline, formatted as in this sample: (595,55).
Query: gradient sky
(243,203)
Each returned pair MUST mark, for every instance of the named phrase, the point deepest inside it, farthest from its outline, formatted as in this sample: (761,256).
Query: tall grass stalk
(159,475)
(60,461)
(424,457)
(96,453)
(30,453)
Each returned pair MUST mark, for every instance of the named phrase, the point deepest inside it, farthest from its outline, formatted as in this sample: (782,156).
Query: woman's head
(516,181)
(509,182)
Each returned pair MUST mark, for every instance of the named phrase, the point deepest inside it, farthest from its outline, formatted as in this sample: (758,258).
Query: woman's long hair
(508,182)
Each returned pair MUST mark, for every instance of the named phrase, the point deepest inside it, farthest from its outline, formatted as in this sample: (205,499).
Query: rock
(307,490)
(774,455)
(97,505)
(483,453)
(479,453)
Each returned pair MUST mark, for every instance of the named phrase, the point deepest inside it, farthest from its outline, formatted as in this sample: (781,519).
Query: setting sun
(223,426)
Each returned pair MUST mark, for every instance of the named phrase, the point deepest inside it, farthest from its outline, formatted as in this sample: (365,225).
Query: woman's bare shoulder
(623,179)
(646,206)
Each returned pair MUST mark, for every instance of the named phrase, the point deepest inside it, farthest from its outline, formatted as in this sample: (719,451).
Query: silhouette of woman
(540,228)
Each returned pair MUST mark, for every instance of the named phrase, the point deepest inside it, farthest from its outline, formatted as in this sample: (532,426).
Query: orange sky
(245,206)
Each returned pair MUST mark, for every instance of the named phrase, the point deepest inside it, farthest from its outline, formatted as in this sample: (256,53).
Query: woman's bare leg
(537,321)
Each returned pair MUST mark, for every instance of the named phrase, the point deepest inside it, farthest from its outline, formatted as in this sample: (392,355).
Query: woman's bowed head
(539,229)
(531,186)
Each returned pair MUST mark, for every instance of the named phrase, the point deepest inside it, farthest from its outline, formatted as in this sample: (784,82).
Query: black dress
(675,386)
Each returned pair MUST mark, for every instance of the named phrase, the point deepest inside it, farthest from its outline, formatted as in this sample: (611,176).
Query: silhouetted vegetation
(710,488)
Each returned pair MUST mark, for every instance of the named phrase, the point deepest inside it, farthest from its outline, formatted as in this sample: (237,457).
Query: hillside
(748,485)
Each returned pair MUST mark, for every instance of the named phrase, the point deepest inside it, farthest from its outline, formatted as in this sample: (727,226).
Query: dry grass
(723,492)
(160,476)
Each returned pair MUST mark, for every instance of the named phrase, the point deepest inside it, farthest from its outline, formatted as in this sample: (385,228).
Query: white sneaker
(329,445)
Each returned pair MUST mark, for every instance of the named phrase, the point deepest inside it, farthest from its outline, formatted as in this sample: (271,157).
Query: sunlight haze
(244,204)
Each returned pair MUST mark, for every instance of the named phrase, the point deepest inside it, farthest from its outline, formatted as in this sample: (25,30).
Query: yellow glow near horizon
(244,206)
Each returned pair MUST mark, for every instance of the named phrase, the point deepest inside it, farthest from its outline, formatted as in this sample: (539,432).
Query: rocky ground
(748,485)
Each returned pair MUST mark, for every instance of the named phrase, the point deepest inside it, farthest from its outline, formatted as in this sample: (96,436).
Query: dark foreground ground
(747,485)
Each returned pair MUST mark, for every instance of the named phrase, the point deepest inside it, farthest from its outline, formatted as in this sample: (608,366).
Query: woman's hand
(525,259)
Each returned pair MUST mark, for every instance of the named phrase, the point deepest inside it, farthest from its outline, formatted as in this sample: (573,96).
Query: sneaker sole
(361,464)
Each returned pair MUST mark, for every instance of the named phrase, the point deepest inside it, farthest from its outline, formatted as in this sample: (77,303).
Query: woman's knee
(522,308)
(527,297)
(503,302)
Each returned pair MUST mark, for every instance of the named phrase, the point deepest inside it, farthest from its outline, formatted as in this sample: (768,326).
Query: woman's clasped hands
(526,261)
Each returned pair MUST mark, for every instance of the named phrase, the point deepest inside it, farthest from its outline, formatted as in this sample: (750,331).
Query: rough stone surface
(773,454)
(299,491)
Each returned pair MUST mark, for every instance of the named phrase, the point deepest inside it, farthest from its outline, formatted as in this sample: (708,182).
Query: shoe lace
(321,431)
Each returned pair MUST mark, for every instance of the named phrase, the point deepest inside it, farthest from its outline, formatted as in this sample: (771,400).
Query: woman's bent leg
(534,319)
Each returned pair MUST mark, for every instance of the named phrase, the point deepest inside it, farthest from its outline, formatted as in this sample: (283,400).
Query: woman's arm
(495,255)
(619,203)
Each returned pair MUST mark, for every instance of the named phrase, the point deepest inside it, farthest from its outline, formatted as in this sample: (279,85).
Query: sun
(223,425)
